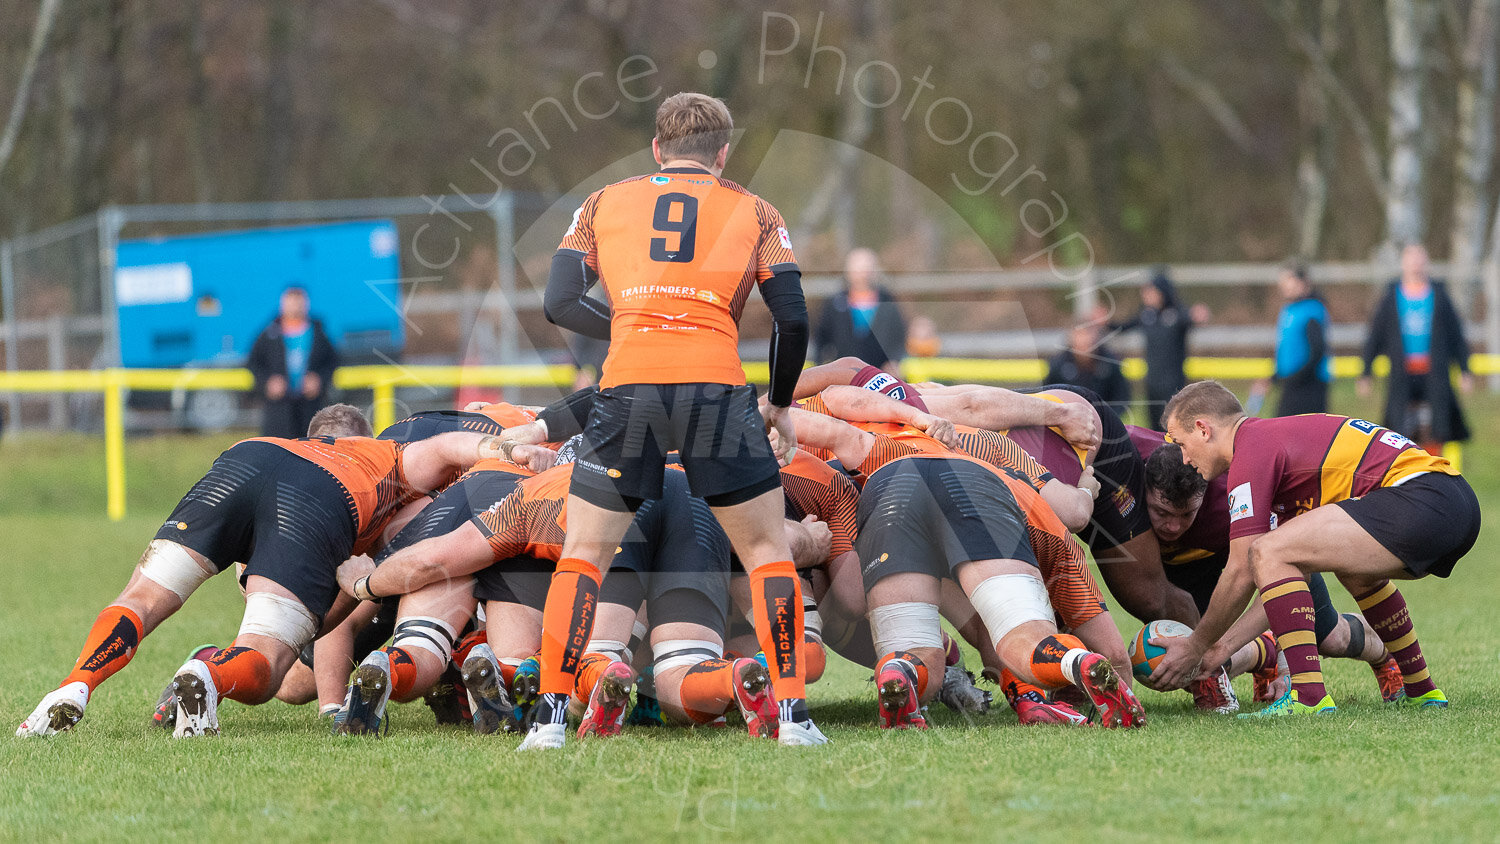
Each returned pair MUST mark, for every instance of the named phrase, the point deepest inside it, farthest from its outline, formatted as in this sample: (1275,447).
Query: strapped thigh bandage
(171,567)
(904,626)
(1007,601)
(279,618)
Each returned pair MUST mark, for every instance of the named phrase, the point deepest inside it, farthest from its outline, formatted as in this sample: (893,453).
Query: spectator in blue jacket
(1303,366)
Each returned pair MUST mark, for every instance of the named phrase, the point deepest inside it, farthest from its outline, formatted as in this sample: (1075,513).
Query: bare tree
(1411,24)
(39,33)
(1477,89)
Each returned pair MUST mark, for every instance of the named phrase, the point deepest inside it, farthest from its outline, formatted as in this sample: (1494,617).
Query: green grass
(1367,773)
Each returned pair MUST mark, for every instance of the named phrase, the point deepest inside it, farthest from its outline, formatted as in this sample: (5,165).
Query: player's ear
(656,151)
(721,158)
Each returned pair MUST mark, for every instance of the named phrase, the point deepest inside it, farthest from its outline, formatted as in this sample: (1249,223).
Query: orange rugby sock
(707,690)
(590,669)
(241,674)
(776,597)
(111,642)
(1047,659)
(567,622)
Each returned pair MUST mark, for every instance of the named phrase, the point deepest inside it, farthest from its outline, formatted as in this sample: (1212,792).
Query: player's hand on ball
(819,541)
(1179,666)
(352,570)
(1078,425)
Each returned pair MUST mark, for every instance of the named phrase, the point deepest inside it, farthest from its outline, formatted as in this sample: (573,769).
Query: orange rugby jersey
(533,519)
(677,253)
(370,472)
(813,488)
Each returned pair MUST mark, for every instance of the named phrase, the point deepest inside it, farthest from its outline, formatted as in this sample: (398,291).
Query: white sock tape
(676,653)
(433,635)
(171,567)
(282,619)
(903,626)
(1007,601)
(812,624)
(612,648)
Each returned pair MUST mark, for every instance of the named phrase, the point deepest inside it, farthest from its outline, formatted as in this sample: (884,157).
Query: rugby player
(674,564)
(291,510)
(678,253)
(927,514)
(1344,496)
(1190,517)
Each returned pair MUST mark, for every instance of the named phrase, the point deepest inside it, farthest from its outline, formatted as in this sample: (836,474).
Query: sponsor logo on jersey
(573,226)
(786,239)
(1274,521)
(880,382)
(659,180)
(1240,506)
(707,296)
(1363,426)
(1124,501)
(1395,440)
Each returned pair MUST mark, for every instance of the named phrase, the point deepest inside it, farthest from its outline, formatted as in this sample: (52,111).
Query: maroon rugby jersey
(1289,465)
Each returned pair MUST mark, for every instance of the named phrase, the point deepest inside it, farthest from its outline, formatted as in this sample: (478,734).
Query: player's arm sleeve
(567,304)
(569,415)
(504,525)
(783,295)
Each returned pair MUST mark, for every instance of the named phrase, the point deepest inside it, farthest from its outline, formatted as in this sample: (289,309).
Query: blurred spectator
(1416,326)
(1303,365)
(293,362)
(922,340)
(1087,362)
(863,320)
(1164,321)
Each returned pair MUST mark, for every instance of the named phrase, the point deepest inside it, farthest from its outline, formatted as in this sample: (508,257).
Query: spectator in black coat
(293,362)
(1164,321)
(1417,327)
(1087,362)
(863,321)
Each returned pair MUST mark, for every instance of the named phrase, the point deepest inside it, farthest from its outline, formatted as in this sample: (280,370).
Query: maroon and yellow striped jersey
(1286,466)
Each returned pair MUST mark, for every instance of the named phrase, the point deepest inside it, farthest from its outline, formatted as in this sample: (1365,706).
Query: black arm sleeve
(568,415)
(783,295)
(567,303)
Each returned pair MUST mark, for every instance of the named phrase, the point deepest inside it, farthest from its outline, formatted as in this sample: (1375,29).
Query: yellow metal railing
(383,381)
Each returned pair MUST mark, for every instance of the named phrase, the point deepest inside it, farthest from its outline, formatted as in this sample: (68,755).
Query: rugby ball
(1143,657)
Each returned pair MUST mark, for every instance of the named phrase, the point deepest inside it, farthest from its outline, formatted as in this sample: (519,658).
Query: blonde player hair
(693,126)
(1202,400)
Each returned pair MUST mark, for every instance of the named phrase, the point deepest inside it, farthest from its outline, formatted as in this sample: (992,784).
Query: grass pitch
(1368,773)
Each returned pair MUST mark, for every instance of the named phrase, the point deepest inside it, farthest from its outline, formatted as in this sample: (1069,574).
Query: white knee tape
(612,648)
(433,635)
(1007,601)
(282,619)
(812,624)
(677,653)
(171,567)
(903,626)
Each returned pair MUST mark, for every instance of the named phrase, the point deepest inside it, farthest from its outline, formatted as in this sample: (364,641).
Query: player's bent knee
(279,618)
(173,568)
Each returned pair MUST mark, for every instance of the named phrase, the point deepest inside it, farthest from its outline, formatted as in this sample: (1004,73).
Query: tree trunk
(1316,157)
(1410,24)
(1477,88)
(39,32)
(278,101)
